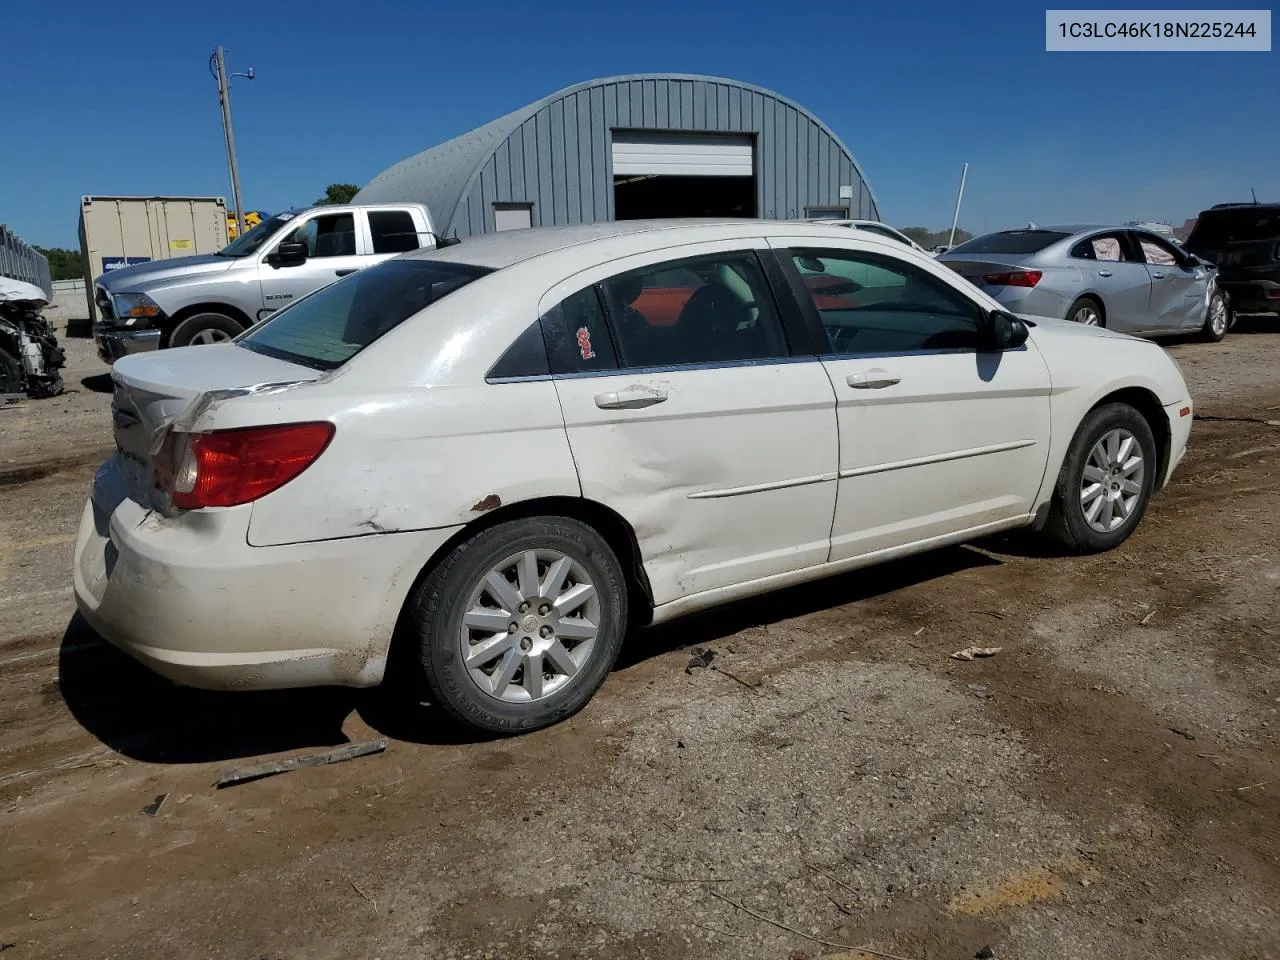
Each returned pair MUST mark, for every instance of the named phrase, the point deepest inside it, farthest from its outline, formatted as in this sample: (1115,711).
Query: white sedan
(477,467)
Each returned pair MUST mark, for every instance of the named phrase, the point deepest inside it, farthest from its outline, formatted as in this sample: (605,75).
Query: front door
(1179,291)
(937,435)
(688,415)
(334,250)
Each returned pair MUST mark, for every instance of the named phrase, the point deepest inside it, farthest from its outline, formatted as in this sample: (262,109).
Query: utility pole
(219,65)
(951,241)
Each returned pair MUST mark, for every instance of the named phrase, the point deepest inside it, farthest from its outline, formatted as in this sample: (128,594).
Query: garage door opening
(683,175)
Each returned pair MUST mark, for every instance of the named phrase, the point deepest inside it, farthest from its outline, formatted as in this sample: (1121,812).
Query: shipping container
(120,231)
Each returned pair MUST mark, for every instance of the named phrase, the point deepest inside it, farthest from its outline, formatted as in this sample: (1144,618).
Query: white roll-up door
(682,154)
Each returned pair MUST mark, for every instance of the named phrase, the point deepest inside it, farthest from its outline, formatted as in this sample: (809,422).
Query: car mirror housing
(1005,331)
(288,255)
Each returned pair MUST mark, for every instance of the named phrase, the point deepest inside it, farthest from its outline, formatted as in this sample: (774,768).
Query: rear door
(1179,291)
(336,247)
(695,414)
(1111,266)
(392,231)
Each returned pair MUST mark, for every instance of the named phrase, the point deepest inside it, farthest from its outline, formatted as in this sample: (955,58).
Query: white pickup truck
(208,299)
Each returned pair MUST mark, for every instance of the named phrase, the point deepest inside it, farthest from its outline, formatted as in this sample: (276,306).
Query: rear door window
(577,336)
(1010,241)
(393,231)
(332,325)
(702,310)
(1103,247)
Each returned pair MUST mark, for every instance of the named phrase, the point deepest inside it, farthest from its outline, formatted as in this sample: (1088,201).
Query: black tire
(437,608)
(10,373)
(1067,521)
(1209,332)
(1082,307)
(201,325)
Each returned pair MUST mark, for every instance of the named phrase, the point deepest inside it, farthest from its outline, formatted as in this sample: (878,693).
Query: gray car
(1126,278)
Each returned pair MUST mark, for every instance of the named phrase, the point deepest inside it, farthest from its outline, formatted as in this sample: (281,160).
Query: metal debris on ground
(970,653)
(152,808)
(700,659)
(245,774)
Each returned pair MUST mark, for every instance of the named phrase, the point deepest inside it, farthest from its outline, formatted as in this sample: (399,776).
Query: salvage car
(475,469)
(1129,279)
(30,357)
(194,301)
(1243,240)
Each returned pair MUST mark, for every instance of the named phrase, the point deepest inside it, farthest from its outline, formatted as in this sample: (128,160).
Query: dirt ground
(1107,786)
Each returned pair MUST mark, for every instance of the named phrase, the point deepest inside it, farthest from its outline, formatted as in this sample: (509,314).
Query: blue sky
(117,99)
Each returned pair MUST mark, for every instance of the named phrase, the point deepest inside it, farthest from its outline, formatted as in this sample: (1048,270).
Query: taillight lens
(1014,278)
(230,467)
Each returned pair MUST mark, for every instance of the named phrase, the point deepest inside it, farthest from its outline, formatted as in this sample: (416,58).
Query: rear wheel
(1105,481)
(519,626)
(201,329)
(1217,318)
(1086,311)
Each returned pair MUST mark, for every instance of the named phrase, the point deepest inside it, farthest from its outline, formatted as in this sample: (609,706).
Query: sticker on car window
(584,344)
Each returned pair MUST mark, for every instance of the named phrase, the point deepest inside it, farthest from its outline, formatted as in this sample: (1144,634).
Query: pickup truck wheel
(519,625)
(204,328)
(1106,480)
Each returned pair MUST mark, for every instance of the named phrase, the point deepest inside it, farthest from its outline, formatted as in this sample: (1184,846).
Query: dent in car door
(936,436)
(1177,294)
(335,248)
(717,447)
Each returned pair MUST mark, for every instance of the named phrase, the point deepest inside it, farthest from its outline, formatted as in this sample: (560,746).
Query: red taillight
(1273,293)
(1015,278)
(230,467)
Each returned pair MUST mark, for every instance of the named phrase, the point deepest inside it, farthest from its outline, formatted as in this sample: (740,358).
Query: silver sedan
(1128,279)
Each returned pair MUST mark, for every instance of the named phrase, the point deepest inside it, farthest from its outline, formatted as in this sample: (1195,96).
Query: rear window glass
(331,326)
(1227,226)
(1010,241)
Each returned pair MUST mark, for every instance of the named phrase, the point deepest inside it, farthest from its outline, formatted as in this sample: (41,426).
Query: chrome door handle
(631,398)
(1104,273)
(875,380)
(348,271)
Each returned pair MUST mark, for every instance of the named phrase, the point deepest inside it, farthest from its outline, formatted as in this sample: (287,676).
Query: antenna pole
(951,241)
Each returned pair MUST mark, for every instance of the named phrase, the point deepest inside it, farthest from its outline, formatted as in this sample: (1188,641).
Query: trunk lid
(152,391)
(975,268)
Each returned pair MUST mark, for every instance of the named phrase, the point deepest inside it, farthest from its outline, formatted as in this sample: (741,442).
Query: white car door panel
(725,468)
(936,436)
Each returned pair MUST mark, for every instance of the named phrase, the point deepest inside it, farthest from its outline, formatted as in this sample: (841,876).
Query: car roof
(506,248)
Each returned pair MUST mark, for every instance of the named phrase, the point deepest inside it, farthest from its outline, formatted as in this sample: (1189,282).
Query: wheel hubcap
(1111,487)
(530,627)
(1218,316)
(1087,316)
(209,336)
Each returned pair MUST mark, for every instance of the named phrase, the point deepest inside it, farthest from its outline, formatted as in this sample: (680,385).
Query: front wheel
(1106,480)
(1217,319)
(201,329)
(519,626)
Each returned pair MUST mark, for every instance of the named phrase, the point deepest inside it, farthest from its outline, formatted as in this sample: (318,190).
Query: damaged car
(475,469)
(30,357)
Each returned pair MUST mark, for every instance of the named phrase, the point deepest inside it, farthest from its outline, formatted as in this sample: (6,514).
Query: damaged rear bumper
(195,603)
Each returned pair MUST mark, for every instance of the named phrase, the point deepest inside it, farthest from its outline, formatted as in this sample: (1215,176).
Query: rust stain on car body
(491,502)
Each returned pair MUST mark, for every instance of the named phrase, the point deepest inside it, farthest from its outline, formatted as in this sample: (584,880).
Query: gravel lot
(1107,786)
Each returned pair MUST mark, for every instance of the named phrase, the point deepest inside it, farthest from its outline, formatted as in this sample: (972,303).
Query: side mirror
(288,255)
(1006,331)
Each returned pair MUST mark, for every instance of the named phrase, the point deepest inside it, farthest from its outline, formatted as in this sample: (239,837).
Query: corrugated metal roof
(442,176)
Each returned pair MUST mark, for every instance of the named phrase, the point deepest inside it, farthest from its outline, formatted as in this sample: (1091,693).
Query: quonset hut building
(625,148)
